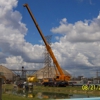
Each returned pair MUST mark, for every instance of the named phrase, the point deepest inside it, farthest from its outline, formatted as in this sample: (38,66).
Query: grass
(64,90)
(8,86)
(14,97)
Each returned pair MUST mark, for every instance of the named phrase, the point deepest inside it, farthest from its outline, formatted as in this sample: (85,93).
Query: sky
(73,24)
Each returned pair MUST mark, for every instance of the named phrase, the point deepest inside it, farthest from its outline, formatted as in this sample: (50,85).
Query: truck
(60,79)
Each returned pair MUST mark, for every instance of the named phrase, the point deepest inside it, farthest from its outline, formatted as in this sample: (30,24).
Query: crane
(61,77)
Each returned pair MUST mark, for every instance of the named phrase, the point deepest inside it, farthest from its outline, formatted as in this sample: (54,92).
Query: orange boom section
(62,76)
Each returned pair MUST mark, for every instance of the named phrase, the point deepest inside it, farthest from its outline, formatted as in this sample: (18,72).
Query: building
(47,72)
(6,72)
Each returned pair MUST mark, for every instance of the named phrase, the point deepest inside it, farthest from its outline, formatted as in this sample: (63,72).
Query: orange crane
(61,77)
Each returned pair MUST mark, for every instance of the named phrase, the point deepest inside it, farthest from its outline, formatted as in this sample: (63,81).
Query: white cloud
(79,46)
(57,38)
(63,21)
(63,28)
(87,31)
(98,15)
(41,41)
(6,6)
(77,49)
(16,62)
(14,48)
(82,60)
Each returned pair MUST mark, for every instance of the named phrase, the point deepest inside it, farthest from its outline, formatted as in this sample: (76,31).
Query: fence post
(0,88)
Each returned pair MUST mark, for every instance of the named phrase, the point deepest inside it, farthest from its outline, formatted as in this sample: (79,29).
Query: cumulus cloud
(76,50)
(13,47)
(57,38)
(16,62)
(79,46)
(87,31)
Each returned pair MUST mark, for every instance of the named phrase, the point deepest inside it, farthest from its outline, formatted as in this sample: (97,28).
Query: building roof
(47,72)
(6,72)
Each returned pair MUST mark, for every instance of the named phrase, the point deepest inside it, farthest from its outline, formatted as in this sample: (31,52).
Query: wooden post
(0,88)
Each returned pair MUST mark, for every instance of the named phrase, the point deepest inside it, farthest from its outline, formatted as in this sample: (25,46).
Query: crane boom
(46,44)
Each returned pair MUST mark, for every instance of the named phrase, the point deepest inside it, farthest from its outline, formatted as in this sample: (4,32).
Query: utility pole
(0,88)
(2,77)
(97,74)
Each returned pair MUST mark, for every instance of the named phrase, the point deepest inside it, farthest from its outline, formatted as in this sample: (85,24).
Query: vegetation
(56,90)
(69,90)
(7,86)
(14,97)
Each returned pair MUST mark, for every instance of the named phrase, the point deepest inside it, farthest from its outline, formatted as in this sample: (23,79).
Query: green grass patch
(64,90)
(12,97)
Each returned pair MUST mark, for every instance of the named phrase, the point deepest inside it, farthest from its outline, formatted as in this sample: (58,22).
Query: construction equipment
(61,79)
(31,78)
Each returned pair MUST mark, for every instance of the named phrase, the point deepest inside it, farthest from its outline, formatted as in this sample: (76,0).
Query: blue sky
(73,24)
(48,14)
